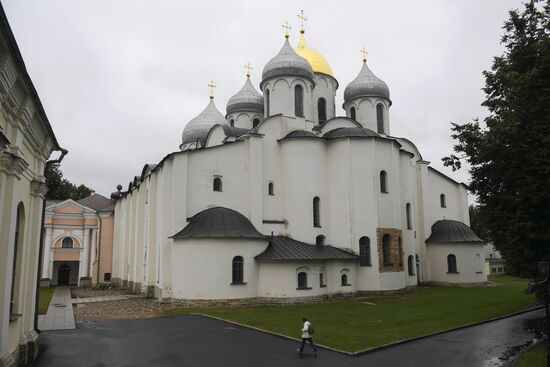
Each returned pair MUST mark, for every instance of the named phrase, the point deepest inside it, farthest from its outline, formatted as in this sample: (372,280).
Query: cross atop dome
(302,20)
(364,53)
(212,86)
(287,28)
(248,68)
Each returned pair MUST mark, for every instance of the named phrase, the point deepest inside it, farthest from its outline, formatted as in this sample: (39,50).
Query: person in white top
(307,331)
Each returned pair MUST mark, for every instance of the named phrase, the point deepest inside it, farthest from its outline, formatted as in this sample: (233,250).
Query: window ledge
(323,286)
(346,285)
(303,289)
(412,275)
(317,226)
(366,265)
(388,264)
(479,272)
(14,316)
(238,283)
(453,272)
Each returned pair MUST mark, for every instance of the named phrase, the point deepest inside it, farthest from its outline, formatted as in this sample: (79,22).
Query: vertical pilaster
(93,253)
(47,255)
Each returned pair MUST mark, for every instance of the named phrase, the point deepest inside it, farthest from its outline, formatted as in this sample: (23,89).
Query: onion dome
(247,99)
(317,61)
(366,84)
(198,128)
(287,63)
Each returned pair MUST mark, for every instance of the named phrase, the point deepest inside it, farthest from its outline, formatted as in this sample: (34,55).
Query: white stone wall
(470,267)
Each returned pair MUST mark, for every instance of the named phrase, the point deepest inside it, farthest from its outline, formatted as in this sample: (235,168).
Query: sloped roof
(452,231)
(98,202)
(300,134)
(350,132)
(219,222)
(282,248)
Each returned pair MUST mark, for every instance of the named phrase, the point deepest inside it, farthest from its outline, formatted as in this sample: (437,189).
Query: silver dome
(366,84)
(287,63)
(247,99)
(198,128)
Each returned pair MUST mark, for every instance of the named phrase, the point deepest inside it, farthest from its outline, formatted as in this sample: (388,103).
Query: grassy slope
(44,299)
(353,325)
(536,357)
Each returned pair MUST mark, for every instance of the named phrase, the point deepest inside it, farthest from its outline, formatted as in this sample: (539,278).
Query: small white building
(283,200)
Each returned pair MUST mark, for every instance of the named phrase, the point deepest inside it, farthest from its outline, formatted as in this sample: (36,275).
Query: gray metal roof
(234,131)
(247,99)
(198,128)
(98,202)
(287,63)
(366,84)
(282,248)
(350,132)
(449,231)
(219,222)
(300,134)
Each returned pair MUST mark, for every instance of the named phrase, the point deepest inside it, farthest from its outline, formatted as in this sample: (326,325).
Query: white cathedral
(282,200)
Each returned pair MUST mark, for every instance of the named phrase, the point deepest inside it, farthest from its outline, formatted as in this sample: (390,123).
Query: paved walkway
(104,298)
(198,341)
(60,312)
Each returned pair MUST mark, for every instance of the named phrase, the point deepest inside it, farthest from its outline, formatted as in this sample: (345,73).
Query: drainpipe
(39,275)
(98,260)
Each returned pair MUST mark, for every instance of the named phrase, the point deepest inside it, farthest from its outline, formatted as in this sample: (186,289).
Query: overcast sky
(119,80)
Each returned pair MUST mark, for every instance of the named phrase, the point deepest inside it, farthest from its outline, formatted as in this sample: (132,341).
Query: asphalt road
(199,341)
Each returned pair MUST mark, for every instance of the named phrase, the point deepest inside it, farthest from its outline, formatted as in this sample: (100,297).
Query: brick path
(60,312)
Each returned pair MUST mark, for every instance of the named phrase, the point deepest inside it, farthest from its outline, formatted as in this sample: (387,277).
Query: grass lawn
(536,357)
(354,325)
(44,299)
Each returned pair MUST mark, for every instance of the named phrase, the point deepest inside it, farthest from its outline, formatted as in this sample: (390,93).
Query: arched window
(352,113)
(231,122)
(217,184)
(386,248)
(383,182)
(451,264)
(302,280)
(409,219)
(380,118)
(411,264)
(299,101)
(442,201)
(270,188)
(67,242)
(316,214)
(322,110)
(322,280)
(17,243)
(255,122)
(344,278)
(267,103)
(237,270)
(364,251)
(478,264)
(320,240)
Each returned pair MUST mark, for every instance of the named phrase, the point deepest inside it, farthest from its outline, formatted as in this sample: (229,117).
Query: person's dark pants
(304,344)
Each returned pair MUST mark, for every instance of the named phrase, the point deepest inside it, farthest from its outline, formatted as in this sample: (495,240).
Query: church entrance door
(63,274)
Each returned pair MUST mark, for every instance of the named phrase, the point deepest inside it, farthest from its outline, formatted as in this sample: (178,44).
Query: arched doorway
(63,274)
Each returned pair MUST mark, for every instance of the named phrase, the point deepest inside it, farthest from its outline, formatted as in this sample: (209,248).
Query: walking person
(307,332)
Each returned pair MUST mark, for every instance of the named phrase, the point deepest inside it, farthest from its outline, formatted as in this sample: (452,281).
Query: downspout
(98,260)
(39,267)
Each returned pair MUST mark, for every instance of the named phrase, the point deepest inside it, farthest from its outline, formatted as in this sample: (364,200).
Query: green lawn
(354,325)
(536,357)
(44,299)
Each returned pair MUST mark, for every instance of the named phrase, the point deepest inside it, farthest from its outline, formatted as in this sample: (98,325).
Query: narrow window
(299,101)
(217,184)
(451,264)
(302,280)
(352,113)
(380,118)
(67,242)
(237,269)
(344,279)
(231,122)
(411,264)
(408,212)
(255,122)
(364,251)
(322,110)
(270,188)
(442,201)
(400,249)
(383,182)
(320,240)
(316,215)
(267,103)
(16,246)
(321,280)
(386,246)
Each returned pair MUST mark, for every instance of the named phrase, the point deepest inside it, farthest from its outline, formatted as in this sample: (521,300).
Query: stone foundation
(45,282)
(124,284)
(150,293)
(130,285)
(25,353)
(136,288)
(116,282)
(9,360)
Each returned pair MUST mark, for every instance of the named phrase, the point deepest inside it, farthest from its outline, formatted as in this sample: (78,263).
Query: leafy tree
(478,222)
(509,157)
(62,189)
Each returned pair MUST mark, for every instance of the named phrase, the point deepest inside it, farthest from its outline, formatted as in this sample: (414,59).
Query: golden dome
(317,61)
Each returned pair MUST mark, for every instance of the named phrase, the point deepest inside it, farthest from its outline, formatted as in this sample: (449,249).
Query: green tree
(62,189)
(509,157)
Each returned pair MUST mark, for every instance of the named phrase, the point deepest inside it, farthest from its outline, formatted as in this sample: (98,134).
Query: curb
(380,347)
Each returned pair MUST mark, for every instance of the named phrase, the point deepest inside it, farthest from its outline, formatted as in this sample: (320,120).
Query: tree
(509,157)
(62,189)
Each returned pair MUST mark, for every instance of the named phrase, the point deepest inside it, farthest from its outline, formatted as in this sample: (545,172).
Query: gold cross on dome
(212,86)
(248,68)
(287,28)
(365,53)
(302,19)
